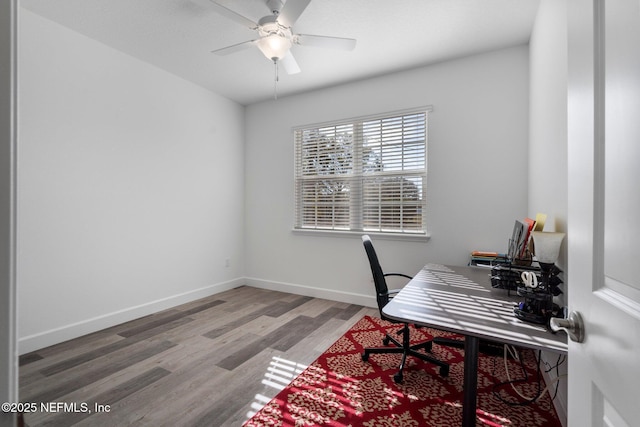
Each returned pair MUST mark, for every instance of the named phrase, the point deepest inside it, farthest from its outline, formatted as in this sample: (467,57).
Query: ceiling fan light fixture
(274,46)
(275,40)
(275,33)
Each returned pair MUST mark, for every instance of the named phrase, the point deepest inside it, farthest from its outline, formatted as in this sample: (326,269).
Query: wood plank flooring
(211,362)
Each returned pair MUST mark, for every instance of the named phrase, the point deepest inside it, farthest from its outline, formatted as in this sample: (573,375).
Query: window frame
(356,178)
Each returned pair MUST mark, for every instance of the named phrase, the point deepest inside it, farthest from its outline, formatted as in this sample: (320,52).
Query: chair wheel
(385,341)
(444,371)
(365,356)
(398,378)
(428,346)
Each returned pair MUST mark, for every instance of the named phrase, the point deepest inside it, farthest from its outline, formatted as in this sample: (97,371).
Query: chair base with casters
(406,349)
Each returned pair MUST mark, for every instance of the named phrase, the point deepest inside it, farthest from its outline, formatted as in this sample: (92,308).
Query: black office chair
(383,294)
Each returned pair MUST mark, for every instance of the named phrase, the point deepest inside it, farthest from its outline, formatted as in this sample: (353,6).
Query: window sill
(417,237)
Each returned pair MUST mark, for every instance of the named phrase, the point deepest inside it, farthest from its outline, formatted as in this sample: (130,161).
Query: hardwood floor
(211,362)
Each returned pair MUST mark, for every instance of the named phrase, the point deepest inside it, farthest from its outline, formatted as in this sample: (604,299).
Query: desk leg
(470,392)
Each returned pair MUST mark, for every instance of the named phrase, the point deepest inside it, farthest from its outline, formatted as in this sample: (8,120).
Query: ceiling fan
(275,33)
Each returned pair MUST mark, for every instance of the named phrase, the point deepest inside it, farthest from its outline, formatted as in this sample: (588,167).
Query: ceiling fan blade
(234,48)
(291,11)
(224,11)
(289,63)
(325,41)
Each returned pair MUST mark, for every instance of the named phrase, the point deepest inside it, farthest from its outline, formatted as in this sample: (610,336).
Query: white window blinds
(366,174)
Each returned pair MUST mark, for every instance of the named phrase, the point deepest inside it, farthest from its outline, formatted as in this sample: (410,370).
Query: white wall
(548,138)
(130,187)
(477,173)
(548,117)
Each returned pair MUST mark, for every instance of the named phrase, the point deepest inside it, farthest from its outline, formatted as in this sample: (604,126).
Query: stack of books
(486,259)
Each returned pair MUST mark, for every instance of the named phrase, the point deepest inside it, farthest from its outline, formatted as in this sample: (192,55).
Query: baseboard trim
(55,336)
(309,291)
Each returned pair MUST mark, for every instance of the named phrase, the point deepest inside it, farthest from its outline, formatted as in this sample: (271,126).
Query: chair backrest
(382,290)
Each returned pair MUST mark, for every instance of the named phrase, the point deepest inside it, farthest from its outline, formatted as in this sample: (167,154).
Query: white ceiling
(178,36)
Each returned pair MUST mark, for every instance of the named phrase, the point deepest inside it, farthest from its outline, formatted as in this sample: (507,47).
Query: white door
(604,211)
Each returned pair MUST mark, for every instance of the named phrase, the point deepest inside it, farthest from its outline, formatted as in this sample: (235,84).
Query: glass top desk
(462,300)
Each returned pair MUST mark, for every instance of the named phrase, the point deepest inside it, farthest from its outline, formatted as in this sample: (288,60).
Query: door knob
(573,326)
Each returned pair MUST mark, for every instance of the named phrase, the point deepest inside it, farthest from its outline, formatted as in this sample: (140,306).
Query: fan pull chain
(275,81)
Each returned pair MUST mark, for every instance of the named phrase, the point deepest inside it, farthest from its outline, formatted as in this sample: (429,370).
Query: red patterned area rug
(339,389)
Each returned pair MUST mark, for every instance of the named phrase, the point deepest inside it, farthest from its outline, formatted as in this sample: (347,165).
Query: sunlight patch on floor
(278,375)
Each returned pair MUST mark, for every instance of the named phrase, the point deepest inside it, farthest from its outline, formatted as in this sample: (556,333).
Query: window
(367,174)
